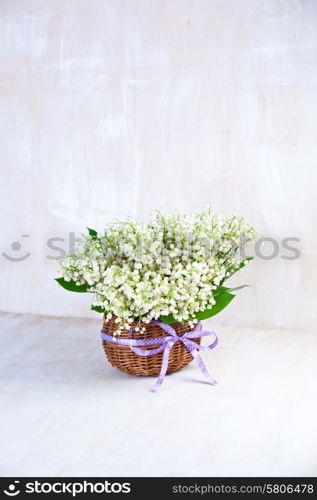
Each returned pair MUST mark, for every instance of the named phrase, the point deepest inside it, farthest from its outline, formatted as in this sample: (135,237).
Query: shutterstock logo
(71,488)
(12,489)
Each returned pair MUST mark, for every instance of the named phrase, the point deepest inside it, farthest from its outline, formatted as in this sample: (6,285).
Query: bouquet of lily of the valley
(171,269)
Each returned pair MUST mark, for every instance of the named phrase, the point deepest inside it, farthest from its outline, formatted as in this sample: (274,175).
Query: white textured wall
(115,107)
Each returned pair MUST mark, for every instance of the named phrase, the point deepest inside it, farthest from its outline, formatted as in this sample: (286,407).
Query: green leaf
(71,285)
(98,309)
(223,297)
(167,319)
(222,289)
(222,301)
(92,232)
(238,288)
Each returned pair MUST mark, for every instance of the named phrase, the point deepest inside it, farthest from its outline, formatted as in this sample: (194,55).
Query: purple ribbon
(165,344)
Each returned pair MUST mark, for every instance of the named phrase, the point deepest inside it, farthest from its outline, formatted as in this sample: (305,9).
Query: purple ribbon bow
(165,344)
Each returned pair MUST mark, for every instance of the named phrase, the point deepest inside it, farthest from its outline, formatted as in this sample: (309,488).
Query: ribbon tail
(203,368)
(164,367)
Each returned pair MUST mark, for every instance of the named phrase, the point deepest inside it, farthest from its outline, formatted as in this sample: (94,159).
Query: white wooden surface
(66,412)
(116,107)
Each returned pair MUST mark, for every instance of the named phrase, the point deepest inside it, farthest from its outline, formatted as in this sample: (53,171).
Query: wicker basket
(126,360)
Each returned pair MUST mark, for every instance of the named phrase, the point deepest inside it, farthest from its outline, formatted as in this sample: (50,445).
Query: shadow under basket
(126,360)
